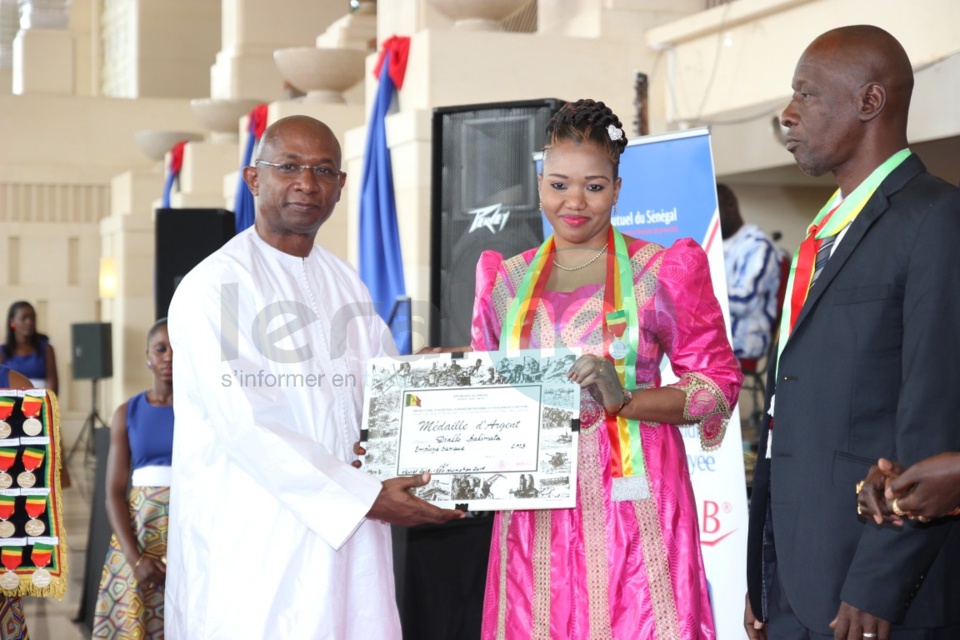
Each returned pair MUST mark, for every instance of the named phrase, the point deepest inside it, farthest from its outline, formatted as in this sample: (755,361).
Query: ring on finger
(897,510)
(860,486)
(859,509)
(868,634)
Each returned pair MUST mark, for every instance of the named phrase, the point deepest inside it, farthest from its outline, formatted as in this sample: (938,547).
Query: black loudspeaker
(484,196)
(92,350)
(184,237)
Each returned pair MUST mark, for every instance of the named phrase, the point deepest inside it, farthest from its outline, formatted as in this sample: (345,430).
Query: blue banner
(381,264)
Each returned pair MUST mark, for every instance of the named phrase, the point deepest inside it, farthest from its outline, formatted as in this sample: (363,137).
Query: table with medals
(32,540)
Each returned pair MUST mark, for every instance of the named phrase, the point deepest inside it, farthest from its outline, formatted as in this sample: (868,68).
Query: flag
(173,172)
(412,400)
(381,264)
(243,204)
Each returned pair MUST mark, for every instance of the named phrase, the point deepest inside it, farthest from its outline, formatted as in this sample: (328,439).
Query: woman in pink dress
(625,562)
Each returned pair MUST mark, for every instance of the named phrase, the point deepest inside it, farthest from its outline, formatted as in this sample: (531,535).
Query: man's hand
(429,350)
(756,630)
(928,489)
(396,505)
(871,502)
(853,624)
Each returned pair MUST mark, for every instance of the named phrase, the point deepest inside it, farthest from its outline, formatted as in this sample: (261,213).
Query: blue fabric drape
(168,187)
(243,204)
(381,264)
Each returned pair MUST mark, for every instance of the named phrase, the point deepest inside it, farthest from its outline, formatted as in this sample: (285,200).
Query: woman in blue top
(130,604)
(10,379)
(26,351)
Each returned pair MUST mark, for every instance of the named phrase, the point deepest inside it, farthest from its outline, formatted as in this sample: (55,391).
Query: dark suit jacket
(872,369)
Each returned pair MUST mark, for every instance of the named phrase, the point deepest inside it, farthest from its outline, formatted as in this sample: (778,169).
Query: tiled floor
(48,618)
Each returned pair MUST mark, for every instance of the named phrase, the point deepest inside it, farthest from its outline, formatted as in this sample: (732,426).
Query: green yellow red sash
(620,322)
(830,221)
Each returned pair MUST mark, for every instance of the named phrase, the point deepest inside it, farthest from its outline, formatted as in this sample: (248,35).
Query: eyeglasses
(290,170)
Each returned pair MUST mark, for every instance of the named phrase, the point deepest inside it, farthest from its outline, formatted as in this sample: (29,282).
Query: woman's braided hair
(587,120)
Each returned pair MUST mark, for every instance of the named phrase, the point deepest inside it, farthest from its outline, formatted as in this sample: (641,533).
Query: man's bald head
(863,54)
(851,97)
(274,135)
(297,181)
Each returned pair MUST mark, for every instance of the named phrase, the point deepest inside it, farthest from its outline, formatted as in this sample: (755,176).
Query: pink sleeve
(485,326)
(695,339)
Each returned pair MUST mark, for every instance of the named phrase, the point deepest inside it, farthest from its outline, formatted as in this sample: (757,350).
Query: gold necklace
(585,264)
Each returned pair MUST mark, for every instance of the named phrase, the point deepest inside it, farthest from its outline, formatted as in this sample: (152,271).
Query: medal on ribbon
(7,504)
(32,458)
(616,324)
(7,458)
(6,408)
(11,558)
(35,507)
(40,556)
(31,407)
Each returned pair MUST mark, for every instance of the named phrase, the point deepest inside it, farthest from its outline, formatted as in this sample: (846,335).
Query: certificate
(495,432)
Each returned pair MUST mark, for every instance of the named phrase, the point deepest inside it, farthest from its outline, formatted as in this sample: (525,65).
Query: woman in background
(625,562)
(130,604)
(26,351)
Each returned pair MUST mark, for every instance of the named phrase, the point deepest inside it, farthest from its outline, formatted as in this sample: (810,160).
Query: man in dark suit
(868,365)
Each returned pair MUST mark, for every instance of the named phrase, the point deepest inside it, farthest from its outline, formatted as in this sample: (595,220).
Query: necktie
(823,254)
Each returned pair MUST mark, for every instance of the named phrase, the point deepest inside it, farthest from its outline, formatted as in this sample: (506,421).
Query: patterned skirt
(125,609)
(12,624)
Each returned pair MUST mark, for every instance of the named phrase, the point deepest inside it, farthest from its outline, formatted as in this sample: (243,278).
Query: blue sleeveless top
(150,433)
(33,366)
(4,376)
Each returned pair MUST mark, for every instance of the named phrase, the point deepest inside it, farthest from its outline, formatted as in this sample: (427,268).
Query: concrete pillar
(43,48)
(127,238)
(252,30)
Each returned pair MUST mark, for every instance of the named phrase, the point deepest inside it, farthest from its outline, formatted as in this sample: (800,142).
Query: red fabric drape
(176,157)
(258,120)
(399,48)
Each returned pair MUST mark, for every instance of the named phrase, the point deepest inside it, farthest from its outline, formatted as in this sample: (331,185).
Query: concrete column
(43,48)
(127,237)
(252,31)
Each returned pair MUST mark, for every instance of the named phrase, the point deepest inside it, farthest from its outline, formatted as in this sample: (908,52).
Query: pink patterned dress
(614,569)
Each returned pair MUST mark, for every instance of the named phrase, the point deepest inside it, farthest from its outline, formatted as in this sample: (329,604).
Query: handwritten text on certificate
(476,429)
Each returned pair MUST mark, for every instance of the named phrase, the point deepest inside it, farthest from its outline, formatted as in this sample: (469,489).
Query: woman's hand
(598,376)
(150,572)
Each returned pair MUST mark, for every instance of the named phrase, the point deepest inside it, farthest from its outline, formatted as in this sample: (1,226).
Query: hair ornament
(614,132)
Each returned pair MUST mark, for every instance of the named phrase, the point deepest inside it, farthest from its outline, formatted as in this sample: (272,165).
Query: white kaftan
(268,537)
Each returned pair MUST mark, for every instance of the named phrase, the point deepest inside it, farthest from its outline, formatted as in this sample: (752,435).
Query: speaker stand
(86,432)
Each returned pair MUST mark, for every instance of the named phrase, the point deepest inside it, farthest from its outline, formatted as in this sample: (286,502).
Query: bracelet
(627,397)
